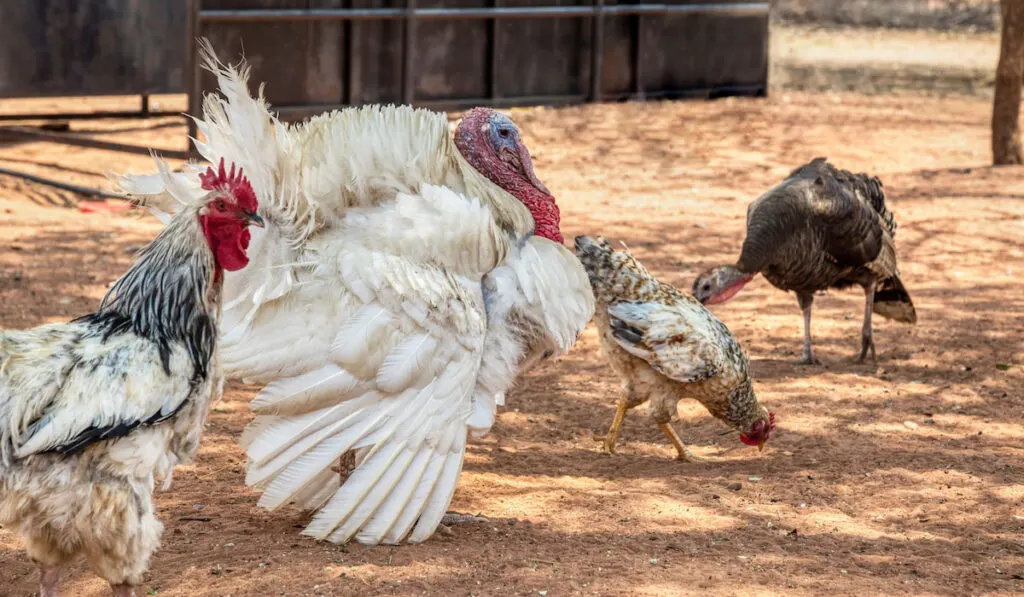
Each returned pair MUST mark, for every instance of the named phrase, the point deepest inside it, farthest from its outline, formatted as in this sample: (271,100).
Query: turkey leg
(806,300)
(866,340)
(49,581)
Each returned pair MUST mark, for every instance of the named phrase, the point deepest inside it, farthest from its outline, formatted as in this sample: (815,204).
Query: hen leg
(866,339)
(682,452)
(625,403)
(806,300)
(123,590)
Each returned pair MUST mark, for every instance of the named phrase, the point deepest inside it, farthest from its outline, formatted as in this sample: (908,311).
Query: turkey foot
(808,359)
(123,590)
(613,432)
(49,581)
(682,452)
(866,340)
(867,343)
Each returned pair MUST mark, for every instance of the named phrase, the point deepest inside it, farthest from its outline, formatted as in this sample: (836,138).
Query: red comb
(233,182)
(771,420)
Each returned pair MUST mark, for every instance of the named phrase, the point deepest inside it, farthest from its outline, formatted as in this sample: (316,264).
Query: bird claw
(809,361)
(687,456)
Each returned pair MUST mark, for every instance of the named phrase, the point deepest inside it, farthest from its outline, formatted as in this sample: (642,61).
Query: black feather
(119,429)
(625,332)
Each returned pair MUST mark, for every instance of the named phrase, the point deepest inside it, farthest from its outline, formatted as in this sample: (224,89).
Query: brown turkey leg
(806,300)
(49,581)
(682,452)
(866,339)
(123,590)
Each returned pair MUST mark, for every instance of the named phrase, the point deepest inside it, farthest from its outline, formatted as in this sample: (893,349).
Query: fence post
(596,51)
(408,93)
(192,72)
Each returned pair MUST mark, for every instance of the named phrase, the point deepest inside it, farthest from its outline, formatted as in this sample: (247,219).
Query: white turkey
(404,279)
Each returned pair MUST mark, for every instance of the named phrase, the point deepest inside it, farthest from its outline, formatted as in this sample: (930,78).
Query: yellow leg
(613,433)
(682,452)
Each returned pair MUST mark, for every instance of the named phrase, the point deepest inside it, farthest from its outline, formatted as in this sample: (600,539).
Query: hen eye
(706,287)
(220,205)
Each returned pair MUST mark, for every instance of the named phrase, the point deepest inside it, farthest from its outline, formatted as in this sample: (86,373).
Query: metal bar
(193,83)
(524,12)
(145,105)
(408,53)
(638,49)
(537,100)
(88,115)
(85,141)
(287,112)
(597,51)
(89,192)
(492,51)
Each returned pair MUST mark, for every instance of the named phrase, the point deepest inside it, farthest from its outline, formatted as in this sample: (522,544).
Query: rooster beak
(760,446)
(255,219)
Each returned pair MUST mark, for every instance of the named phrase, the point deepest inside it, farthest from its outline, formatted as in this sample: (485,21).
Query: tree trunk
(1006,145)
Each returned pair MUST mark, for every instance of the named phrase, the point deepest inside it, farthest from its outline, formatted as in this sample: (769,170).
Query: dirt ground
(900,477)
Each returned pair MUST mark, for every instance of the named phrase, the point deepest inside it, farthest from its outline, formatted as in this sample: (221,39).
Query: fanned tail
(892,301)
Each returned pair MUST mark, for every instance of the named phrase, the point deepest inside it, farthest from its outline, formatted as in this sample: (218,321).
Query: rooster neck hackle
(170,295)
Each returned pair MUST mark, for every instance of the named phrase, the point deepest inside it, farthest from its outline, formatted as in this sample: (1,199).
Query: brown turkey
(822,228)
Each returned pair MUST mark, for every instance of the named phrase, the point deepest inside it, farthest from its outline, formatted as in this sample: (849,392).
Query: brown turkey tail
(892,301)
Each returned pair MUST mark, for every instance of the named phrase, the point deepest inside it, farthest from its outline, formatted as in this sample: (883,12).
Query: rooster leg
(49,581)
(620,417)
(682,452)
(866,340)
(806,300)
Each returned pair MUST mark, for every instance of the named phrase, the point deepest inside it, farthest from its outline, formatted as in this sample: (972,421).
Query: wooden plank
(700,51)
(301,63)
(451,56)
(91,47)
(544,56)
(376,56)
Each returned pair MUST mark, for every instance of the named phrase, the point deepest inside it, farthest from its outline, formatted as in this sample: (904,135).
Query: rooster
(666,346)
(821,228)
(92,410)
(406,276)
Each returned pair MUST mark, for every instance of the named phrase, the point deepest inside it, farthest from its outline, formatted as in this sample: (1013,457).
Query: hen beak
(760,446)
(255,219)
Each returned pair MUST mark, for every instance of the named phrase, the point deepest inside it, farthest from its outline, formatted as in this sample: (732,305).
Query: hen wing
(672,338)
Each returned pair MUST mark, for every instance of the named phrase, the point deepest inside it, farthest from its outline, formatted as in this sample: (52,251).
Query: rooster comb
(232,181)
(771,421)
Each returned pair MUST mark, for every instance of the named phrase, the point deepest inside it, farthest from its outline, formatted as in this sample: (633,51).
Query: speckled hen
(666,346)
(821,228)
(92,410)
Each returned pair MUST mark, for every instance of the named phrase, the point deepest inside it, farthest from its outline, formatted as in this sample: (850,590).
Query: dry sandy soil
(900,477)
